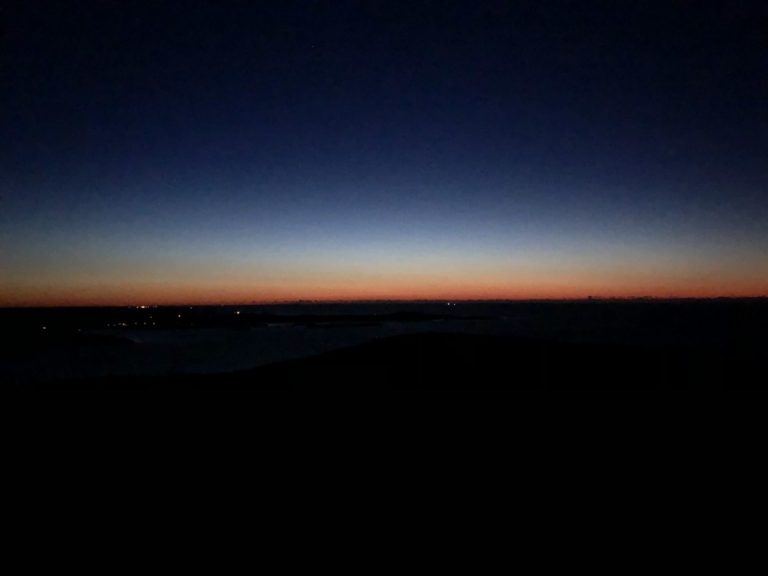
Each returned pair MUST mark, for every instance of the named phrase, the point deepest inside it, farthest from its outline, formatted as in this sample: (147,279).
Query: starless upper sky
(200,152)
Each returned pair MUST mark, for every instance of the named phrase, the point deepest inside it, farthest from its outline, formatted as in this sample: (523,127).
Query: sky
(234,152)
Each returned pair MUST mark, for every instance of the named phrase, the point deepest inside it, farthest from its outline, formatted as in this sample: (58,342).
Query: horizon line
(305,301)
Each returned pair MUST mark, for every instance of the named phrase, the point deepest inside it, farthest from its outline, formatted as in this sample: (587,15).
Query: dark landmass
(466,362)
(639,344)
(46,323)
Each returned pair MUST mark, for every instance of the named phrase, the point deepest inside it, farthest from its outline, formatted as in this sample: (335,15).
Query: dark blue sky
(223,151)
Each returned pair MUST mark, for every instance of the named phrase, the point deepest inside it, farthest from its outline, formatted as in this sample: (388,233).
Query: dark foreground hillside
(465,362)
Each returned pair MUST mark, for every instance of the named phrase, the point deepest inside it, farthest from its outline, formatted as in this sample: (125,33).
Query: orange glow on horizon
(183,294)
